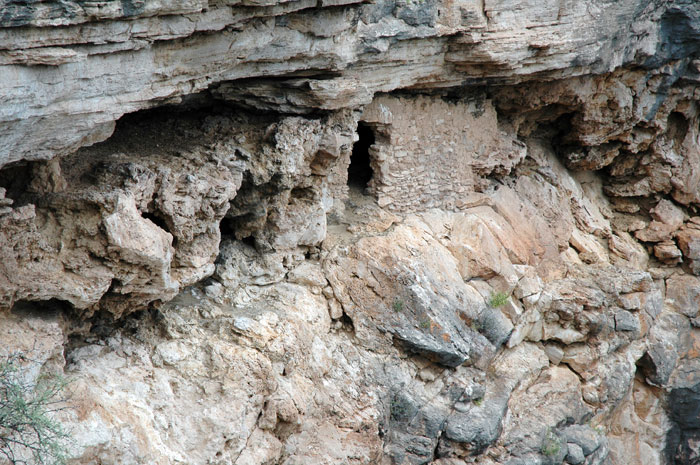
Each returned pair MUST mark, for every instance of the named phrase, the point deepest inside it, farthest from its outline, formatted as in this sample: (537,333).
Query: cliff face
(356,233)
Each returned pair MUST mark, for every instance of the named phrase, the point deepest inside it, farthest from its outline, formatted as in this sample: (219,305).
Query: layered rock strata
(72,68)
(383,233)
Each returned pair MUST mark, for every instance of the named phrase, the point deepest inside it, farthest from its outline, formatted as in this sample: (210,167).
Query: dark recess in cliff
(360,171)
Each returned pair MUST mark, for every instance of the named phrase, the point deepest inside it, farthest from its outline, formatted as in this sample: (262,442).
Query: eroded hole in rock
(45,309)
(250,240)
(346,323)
(678,126)
(226,227)
(15,179)
(229,229)
(560,131)
(103,324)
(654,367)
(302,193)
(360,172)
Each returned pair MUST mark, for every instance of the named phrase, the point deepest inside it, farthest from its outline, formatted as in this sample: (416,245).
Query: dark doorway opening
(360,171)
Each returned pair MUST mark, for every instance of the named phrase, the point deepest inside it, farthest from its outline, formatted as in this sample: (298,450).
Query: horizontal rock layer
(64,87)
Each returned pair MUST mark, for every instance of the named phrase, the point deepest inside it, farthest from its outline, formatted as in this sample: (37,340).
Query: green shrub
(551,445)
(498,299)
(29,434)
(397,305)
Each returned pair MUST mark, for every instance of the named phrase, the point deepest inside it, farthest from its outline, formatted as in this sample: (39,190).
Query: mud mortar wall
(433,154)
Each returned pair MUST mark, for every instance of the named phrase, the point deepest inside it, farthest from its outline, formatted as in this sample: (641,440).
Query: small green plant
(599,429)
(498,299)
(425,324)
(551,445)
(397,305)
(29,433)
(478,402)
(402,408)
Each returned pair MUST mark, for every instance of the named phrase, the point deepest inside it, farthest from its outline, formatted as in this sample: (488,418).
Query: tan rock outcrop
(334,56)
(356,233)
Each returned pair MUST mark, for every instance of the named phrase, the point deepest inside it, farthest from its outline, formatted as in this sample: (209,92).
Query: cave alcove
(360,171)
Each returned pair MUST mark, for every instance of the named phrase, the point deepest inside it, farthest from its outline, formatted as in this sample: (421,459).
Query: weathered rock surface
(134,220)
(356,233)
(329,55)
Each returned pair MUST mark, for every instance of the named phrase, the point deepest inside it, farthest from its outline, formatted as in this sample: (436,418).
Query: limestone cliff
(341,232)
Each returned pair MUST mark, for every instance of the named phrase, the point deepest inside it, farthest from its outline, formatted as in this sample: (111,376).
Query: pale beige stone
(249,367)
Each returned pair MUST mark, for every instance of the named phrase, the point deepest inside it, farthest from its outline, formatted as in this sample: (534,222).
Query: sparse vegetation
(498,299)
(402,409)
(599,430)
(425,324)
(551,445)
(478,402)
(29,433)
(397,305)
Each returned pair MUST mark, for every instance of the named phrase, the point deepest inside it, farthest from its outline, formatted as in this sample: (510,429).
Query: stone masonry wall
(432,153)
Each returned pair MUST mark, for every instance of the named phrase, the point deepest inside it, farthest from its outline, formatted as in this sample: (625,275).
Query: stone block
(626,321)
